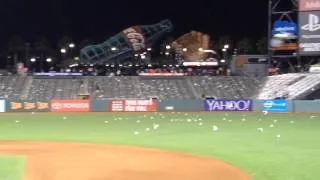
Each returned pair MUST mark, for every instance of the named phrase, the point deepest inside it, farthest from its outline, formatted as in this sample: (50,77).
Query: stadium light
(63,50)
(33,59)
(72,45)
(226,46)
(209,51)
(73,65)
(167,53)
(222,61)
(113,49)
(49,59)
(224,50)
(149,49)
(168,47)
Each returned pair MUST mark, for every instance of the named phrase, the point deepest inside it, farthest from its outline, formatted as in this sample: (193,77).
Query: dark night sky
(98,19)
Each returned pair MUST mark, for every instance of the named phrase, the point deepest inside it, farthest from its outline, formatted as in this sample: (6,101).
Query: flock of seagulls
(187,118)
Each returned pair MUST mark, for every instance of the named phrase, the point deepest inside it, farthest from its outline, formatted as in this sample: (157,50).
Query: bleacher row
(100,87)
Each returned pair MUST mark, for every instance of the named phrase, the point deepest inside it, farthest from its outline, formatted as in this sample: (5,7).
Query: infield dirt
(66,161)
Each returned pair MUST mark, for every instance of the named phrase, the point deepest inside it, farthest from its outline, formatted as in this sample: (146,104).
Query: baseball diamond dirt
(66,161)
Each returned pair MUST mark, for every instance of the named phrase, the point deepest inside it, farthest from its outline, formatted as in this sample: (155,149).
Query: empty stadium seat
(133,87)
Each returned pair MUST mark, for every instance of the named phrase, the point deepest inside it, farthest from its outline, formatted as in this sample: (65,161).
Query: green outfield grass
(11,168)
(290,150)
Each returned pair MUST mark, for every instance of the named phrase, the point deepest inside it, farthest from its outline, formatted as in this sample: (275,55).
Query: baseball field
(157,146)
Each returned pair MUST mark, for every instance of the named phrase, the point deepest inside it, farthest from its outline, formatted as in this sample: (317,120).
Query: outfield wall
(180,105)
(306,106)
(303,106)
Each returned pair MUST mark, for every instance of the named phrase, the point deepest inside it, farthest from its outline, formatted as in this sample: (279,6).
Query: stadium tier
(290,86)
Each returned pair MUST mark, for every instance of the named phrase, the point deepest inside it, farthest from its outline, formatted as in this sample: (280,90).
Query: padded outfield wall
(210,105)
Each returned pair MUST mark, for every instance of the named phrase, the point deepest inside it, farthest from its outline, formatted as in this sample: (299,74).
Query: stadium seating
(12,86)
(304,86)
(294,86)
(134,87)
(45,89)
(234,87)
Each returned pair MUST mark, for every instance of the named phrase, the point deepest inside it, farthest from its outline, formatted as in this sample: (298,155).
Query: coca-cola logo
(135,38)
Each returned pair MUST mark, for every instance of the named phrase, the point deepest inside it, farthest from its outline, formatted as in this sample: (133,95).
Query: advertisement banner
(227,105)
(309,5)
(133,106)
(281,27)
(309,36)
(72,105)
(2,106)
(275,105)
(28,106)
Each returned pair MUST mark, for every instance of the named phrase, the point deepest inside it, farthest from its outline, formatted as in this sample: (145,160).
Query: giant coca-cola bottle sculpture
(124,45)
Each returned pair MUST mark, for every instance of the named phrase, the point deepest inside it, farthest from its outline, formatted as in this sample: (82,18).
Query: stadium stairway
(26,88)
(192,88)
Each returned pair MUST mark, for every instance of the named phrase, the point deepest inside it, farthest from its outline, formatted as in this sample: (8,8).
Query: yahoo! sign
(227,105)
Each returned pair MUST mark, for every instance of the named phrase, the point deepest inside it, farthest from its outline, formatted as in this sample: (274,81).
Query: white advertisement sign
(2,106)
(309,40)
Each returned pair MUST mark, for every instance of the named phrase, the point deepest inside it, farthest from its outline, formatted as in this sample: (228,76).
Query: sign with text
(133,106)
(2,106)
(275,105)
(227,105)
(281,27)
(28,106)
(309,36)
(309,5)
(72,105)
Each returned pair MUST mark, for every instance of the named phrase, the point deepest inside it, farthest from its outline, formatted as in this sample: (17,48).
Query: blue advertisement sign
(227,105)
(275,105)
(284,27)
